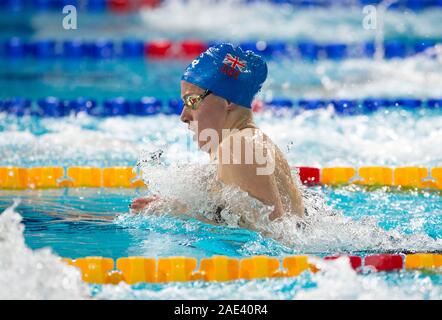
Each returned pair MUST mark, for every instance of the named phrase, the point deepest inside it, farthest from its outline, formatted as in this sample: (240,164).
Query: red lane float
(355,261)
(191,48)
(187,49)
(385,262)
(158,49)
(257,105)
(309,176)
(149,3)
(120,6)
(125,6)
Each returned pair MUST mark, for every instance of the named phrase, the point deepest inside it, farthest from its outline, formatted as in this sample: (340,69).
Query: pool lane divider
(133,270)
(72,177)
(126,177)
(54,107)
(73,49)
(83,6)
(132,6)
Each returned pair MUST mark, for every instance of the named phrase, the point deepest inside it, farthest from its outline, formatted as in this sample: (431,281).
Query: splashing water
(39,274)
(337,280)
(27,274)
(195,187)
(325,230)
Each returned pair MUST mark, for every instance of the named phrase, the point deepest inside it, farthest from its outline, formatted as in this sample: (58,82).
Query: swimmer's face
(210,113)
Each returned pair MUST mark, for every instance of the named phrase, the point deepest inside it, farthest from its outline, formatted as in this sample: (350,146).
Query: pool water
(96,222)
(99,220)
(90,222)
(416,76)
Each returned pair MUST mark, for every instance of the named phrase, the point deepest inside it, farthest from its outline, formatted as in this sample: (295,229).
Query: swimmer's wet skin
(217,89)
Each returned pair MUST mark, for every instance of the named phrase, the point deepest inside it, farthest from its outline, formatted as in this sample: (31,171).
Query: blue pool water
(83,222)
(100,222)
(76,223)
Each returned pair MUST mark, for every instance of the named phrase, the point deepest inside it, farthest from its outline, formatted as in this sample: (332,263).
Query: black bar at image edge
(222,309)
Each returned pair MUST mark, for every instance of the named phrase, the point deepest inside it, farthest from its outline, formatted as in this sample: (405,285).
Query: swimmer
(217,89)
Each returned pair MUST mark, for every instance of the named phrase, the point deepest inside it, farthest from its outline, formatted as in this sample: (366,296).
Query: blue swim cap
(228,72)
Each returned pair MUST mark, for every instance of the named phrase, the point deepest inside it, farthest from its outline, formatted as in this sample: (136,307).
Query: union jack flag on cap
(235,62)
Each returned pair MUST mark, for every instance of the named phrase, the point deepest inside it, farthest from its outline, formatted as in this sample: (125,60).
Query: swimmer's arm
(159,205)
(139,204)
(261,187)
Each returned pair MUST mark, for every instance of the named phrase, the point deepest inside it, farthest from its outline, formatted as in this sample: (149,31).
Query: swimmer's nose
(186,116)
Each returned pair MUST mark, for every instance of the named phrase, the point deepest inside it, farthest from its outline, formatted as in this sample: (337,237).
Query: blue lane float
(146,106)
(176,105)
(96,5)
(43,49)
(115,107)
(408,103)
(14,47)
(51,107)
(347,107)
(74,49)
(395,49)
(101,49)
(309,50)
(82,105)
(132,48)
(371,105)
(336,51)
(434,103)
(135,48)
(421,46)
(43,5)
(149,106)
(16,106)
(311,104)
(280,103)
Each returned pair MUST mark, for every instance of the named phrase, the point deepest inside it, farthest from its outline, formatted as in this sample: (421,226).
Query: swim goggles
(192,101)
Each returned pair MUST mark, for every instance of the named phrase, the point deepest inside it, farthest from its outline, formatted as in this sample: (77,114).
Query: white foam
(415,76)
(238,20)
(326,230)
(198,291)
(391,138)
(316,138)
(337,280)
(28,274)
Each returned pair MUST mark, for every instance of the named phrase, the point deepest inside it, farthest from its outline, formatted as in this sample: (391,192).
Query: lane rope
(73,49)
(20,178)
(130,6)
(133,270)
(150,106)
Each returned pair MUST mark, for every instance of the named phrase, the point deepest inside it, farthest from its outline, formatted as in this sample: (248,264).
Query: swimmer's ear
(230,106)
